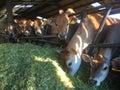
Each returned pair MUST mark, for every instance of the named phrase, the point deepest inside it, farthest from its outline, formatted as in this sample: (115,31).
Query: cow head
(70,61)
(62,23)
(99,68)
(116,63)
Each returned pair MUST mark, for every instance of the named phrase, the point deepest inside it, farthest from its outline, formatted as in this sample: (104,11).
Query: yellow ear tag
(114,69)
(73,51)
(72,22)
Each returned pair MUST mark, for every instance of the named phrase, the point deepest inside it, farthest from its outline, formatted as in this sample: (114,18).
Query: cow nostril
(93,82)
(62,36)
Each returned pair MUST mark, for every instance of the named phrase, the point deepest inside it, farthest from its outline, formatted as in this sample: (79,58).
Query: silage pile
(32,67)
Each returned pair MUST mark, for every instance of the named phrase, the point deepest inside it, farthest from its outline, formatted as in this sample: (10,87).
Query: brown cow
(61,23)
(85,34)
(37,27)
(100,63)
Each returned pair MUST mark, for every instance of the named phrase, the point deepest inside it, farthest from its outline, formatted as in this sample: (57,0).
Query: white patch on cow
(78,45)
(85,45)
(38,32)
(73,63)
(27,33)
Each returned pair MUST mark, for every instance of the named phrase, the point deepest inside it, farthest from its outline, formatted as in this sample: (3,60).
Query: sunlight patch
(62,75)
(117,16)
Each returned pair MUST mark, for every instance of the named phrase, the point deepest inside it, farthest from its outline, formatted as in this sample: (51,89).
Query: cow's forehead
(98,60)
(65,54)
(62,17)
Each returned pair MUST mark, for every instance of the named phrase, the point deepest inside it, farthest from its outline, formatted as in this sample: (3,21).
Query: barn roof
(49,8)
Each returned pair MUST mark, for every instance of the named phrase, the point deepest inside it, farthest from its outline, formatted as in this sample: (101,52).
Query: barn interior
(27,73)
(45,9)
(49,8)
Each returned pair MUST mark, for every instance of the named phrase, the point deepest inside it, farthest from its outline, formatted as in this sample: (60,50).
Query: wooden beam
(63,6)
(35,12)
(9,11)
(44,14)
(34,2)
(87,4)
(84,5)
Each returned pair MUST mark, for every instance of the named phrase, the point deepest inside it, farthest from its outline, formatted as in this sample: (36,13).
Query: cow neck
(83,36)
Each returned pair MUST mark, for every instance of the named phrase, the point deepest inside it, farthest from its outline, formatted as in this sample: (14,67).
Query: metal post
(9,11)
(96,40)
(107,12)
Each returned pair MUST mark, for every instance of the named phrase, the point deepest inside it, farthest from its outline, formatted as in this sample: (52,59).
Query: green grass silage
(32,67)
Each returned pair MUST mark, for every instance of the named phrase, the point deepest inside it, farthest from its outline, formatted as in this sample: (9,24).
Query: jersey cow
(100,63)
(71,56)
(61,23)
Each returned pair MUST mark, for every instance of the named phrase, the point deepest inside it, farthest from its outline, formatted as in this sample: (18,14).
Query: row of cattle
(26,28)
(100,61)
(73,53)
(40,27)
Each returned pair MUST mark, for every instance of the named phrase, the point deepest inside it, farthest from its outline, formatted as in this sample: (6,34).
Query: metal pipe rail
(106,13)
(46,41)
(96,39)
(104,45)
(39,37)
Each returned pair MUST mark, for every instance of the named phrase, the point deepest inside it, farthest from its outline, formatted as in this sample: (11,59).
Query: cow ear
(61,11)
(70,11)
(86,57)
(73,51)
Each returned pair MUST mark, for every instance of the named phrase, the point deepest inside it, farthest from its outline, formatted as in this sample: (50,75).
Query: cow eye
(56,24)
(70,63)
(105,68)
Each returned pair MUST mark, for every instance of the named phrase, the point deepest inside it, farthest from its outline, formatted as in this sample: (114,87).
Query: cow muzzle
(62,36)
(93,82)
